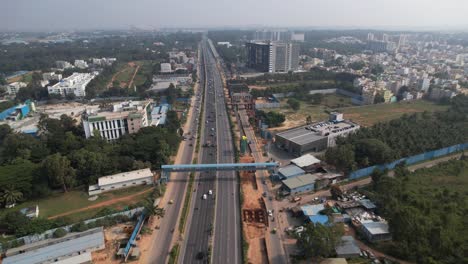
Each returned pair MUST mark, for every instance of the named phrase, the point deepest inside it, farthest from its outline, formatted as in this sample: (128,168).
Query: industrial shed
(299,184)
(347,248)
(290,171)
(72,248)
(376,231)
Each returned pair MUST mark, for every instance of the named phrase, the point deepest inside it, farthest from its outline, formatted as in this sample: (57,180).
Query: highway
(161,240)
(216,218)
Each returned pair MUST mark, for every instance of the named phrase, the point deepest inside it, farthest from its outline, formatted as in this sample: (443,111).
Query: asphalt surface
(216,217)
(175,190)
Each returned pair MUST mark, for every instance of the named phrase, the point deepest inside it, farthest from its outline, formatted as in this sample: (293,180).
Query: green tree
(58,170)
(309,119)
(9,195)
(376,152)
(336,191)
(342,157)
(294,104)
(153,210)
(318,240)
(60,232)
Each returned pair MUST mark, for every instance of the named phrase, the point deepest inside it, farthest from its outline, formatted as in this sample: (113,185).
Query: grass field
(317,112)
(371,114)
(363,115)
(65,202)
(125,73)
(27,78)
(295,84)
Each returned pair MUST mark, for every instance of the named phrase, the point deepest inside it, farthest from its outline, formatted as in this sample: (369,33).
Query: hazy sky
(102,14)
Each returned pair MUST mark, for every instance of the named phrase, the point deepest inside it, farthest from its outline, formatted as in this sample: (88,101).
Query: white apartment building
(76,84)
(124,118)
(13,88)
(48,76)
(81,64)
(121,181)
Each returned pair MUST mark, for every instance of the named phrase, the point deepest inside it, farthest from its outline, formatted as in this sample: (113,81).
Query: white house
(121,181)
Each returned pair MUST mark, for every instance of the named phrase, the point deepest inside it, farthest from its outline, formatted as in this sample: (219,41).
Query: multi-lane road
(213,225)
(162,238)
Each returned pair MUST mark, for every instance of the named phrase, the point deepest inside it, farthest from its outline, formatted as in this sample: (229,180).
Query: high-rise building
(273,56)
(272,35)
(258,56)
(370,36)
(385,38)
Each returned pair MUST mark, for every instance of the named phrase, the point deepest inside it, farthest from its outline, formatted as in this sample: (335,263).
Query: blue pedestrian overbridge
(167,169)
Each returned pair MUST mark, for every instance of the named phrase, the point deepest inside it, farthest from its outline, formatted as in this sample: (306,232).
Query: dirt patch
(257,251)
(254,217)
(113,236)
(256,87)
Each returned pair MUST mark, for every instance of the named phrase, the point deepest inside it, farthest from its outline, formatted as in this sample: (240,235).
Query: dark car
(201,255)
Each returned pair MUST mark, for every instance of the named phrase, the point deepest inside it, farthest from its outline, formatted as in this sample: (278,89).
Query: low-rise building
(306,162)
(74,84)
(166,68)
(13,88)
(73,248)
(159,114)
(347,248)
(315,137)
(63,65)
(81,64)
(121,181)
(299,184)
(123,118)
(376,231)
(49,76)
(290,171)
(266,103)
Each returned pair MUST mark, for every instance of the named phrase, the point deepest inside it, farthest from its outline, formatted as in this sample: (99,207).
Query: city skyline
(53,15)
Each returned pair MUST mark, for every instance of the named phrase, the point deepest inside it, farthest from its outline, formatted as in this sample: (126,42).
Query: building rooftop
(290,171)
(305,160)
(52,249)
(125,176)
(310,133)
(347,246)
(366,203)
(310,210)
(299,181)
(376,228)
(318,219)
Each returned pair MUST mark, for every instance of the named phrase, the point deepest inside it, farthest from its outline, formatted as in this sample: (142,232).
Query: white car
(210,192)
(270,213)
(204,197)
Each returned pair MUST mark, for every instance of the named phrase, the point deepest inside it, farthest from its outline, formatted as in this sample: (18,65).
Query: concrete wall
(303,189)
(122,185)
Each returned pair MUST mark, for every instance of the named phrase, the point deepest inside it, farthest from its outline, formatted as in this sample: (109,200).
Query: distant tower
(402,40)
(370,36)
(385,37)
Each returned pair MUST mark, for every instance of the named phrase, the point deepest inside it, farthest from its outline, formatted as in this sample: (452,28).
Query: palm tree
(10,196)
(152,210)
